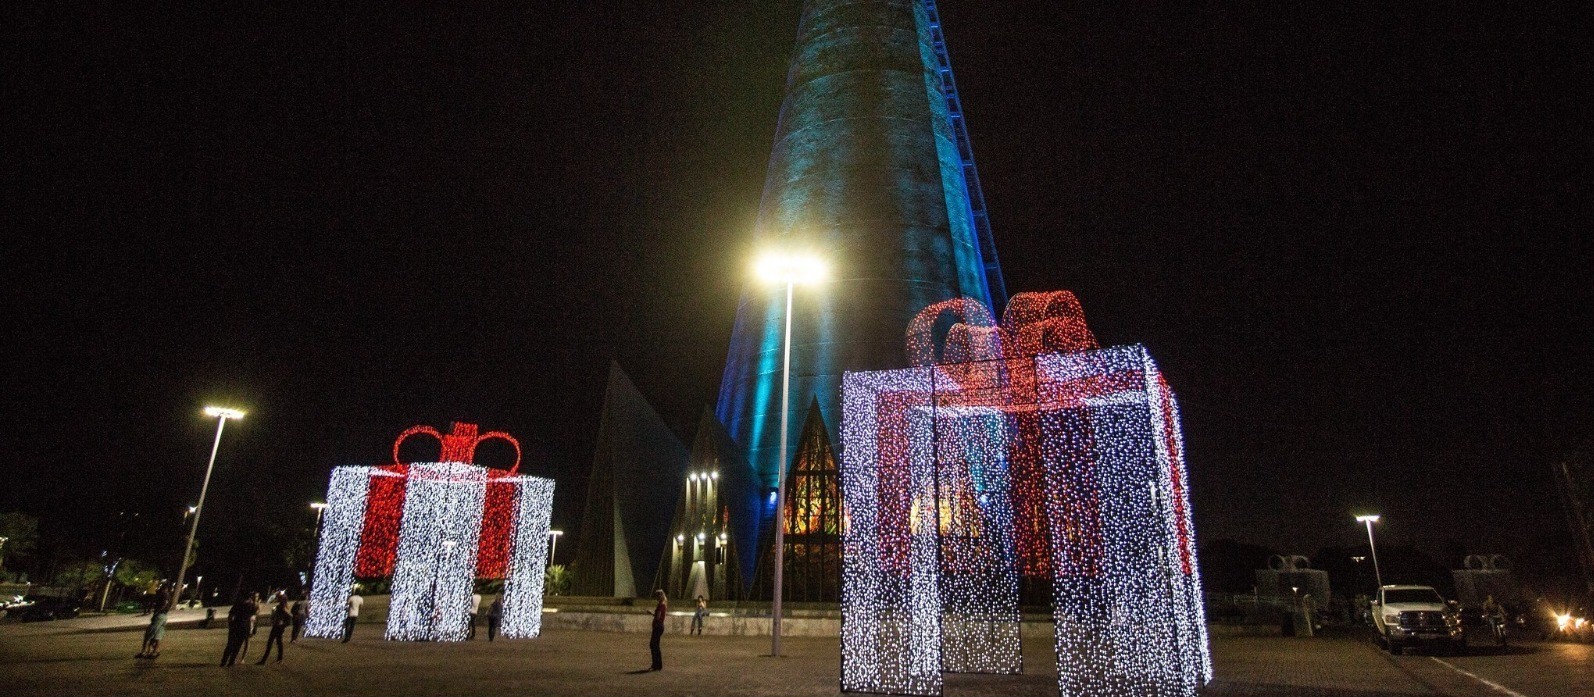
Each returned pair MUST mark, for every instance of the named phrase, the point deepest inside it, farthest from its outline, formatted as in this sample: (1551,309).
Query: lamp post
(320,508)
(553,543)
(1368,520)
(220,414)
(789,269)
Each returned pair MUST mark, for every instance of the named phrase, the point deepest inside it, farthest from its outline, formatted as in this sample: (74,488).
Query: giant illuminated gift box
(1017,449)
(434,528)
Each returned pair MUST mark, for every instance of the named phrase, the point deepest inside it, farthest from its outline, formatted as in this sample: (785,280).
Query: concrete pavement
(81,658)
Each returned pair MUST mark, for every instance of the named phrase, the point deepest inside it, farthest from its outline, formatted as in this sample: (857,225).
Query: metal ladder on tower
(971,175)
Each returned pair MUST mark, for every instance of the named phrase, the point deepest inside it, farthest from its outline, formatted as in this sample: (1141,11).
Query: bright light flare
(797,269)
(319,505)
(1367,518)
(224,412)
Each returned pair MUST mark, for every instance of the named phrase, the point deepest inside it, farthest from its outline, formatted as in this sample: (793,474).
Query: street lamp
(791,270)
(220,414)
(553,543)
(320,509)
(1368,520)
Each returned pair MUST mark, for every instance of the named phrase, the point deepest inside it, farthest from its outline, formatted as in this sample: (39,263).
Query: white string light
(528,561)
(928,456)
(436,565)
(341,524)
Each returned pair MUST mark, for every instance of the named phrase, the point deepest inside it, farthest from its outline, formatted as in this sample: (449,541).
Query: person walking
(658,629)
(301,616)
(156,631)
(698,615)
(495,614)
(475,609)
(237,631)
(353,614)
(281,618)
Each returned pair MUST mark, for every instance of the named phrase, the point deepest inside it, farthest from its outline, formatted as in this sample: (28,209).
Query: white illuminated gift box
(957,478)
(445,509)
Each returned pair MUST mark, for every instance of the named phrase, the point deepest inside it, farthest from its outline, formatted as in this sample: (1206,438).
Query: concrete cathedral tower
(871,169)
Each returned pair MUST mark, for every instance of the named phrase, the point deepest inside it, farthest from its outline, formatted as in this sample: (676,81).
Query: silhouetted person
(301,616)
(157,625)
(281,618)
(495,614)
(237,631)
(658,629)
(352,608)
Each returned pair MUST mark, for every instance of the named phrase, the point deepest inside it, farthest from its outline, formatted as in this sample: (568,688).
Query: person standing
(659,612)
(237,631)
(495,614)
(698,615)
(353,614)
(281,617)
(254,600)
(157,625)
(475,608)
(301,616)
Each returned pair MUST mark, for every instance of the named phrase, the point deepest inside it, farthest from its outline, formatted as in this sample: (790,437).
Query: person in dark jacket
(301,616)
(281,618)
(659,612)
(238,621)
(495,615)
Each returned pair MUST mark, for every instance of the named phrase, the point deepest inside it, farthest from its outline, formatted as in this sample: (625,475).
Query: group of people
(659,612)
(291,616)
(287,615)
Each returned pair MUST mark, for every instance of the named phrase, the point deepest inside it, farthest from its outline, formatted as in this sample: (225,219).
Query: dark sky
(1356,240)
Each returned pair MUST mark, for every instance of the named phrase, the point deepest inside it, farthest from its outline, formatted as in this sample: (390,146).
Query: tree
(80,575)
(556,581)
(21,532)
(136,574)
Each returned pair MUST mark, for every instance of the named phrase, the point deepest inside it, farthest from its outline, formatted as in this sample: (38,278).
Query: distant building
(631,495)
(700,558)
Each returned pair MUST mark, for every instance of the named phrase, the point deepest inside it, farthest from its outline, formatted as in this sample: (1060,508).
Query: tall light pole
(220,414)
(320,508)
(1373,548)
(553,543)
(791,270)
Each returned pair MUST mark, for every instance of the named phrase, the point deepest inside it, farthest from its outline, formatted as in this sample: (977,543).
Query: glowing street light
(220,414)
(320,510)
(553,543)
(791,270)
(1373,548)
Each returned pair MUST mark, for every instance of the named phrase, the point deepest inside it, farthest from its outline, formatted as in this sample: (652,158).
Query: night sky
(1357,241)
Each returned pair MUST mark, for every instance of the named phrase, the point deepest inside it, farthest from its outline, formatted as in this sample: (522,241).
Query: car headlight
(1392,618)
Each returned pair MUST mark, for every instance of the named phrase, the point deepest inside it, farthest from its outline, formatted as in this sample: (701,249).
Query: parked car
(45,609)
(1416,616)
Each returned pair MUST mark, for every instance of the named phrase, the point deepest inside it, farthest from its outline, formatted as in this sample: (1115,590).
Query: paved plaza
(88,657)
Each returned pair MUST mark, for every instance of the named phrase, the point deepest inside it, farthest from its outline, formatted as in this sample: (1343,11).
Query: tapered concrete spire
(871,169)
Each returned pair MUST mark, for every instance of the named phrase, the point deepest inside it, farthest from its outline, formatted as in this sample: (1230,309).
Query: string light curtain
(436,528)
(341,524)
(1019,448)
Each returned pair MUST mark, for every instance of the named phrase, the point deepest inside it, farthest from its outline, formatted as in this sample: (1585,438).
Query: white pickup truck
(1416,616)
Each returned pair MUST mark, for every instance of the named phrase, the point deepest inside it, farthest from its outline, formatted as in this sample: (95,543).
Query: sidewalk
(112,622)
